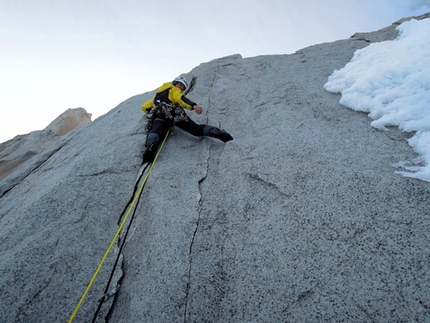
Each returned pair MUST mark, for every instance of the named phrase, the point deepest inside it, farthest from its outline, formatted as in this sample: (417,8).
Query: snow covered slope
(390,81)
(300,218)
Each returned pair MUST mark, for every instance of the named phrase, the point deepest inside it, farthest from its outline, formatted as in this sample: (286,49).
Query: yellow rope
(136,197)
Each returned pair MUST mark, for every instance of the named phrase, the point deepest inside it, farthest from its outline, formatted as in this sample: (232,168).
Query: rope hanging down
(133,202)
(109,293)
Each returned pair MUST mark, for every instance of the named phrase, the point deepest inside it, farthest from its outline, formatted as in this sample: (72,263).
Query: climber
(167,110)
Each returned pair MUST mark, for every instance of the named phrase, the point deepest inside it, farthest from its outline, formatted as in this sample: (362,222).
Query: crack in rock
(200,182)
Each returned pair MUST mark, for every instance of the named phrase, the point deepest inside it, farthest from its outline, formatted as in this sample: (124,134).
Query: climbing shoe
(217,133)
(149,154)
(152,141)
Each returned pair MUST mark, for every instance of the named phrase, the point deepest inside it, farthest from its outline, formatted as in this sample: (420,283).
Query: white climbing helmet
(181,80)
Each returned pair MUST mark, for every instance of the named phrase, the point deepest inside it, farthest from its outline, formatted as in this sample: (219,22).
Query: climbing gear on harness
(170,111)
(162,107)
(133,202)
(167,110)
(150,114)
(180,115)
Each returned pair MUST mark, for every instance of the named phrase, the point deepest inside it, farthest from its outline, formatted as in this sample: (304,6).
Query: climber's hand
(198,109)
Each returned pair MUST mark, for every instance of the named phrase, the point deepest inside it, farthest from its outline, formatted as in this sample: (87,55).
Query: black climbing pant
(160,123)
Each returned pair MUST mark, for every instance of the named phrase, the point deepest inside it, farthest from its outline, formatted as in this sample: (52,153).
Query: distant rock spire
(69,120)
(20,149)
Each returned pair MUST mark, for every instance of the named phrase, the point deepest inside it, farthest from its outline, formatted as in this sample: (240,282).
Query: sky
(62,54)
(391,82)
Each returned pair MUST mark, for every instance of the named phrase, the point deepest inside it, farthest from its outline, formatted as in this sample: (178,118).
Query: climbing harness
(134,200)
(174,112)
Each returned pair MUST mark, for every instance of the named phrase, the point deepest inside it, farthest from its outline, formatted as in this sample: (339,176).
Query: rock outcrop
(20,149)
(69,120)
(387,33)
(301,218)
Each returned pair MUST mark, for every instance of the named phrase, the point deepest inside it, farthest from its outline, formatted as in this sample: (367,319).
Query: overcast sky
(62,54)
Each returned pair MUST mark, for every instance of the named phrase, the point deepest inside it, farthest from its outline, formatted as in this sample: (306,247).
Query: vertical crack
(193,238)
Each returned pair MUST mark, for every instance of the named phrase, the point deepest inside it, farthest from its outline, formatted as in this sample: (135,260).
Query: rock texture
(20,149)
(69,120)
(300,219)
(387,33)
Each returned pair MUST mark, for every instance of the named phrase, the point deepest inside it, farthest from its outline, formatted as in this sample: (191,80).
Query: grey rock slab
(59,214)
(300,218)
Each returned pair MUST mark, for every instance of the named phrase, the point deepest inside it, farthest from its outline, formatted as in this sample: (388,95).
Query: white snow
(391,81)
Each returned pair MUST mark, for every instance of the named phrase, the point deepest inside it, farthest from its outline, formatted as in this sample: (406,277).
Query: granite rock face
(301,218)
(17,151)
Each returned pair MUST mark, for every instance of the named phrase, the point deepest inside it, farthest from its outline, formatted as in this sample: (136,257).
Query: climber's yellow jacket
(170,94)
